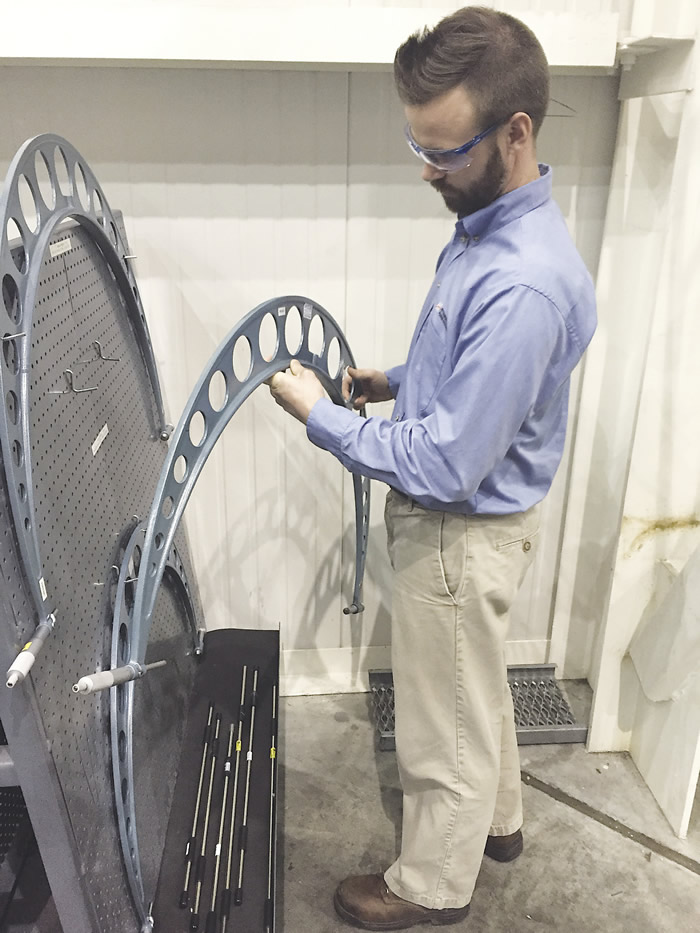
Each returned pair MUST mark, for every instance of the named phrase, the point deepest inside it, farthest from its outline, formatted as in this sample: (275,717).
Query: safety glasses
(449,160)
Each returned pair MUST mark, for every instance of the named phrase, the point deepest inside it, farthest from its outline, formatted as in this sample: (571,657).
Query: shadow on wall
(328,579)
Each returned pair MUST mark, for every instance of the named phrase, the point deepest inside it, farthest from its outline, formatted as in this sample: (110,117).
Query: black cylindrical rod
(226,899)
(189,848)
(201,861)
(243,842)
(269,911)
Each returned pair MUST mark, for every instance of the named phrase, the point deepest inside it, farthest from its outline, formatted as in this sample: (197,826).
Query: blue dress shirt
(481,401)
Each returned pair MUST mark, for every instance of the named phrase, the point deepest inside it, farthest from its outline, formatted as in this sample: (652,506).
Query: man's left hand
(297,390)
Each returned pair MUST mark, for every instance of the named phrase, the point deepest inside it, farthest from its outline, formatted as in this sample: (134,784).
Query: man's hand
(297,390)
(373,386)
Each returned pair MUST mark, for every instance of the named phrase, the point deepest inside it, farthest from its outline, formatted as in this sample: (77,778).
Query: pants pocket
(452,552)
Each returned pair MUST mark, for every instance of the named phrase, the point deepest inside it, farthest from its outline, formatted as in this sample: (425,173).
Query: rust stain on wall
(658,526)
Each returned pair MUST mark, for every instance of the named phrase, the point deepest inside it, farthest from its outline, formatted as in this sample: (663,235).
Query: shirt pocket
(431,350)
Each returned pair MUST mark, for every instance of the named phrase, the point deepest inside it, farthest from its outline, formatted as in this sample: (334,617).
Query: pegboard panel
(89,496)
(13,813)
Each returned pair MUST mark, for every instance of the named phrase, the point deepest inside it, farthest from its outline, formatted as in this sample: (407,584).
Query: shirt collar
(508,207)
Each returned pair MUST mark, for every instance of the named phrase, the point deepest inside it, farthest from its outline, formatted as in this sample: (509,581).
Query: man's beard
(487,189)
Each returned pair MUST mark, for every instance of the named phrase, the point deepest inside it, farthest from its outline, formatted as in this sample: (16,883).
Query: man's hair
(494,56)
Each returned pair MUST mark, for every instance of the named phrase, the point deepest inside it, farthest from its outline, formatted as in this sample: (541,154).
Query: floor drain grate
(542,712)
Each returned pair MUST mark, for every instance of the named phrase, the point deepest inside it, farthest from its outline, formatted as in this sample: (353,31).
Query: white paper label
(42,587)
(58,249)
(281,312)
(308,310)
(99,440)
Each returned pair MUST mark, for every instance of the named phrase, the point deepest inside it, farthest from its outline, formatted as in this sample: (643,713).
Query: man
(475,439)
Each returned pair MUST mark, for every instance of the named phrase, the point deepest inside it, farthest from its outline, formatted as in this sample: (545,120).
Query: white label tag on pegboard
(63,246)
(42,587)
(99,440)
(281,311)
(308,311)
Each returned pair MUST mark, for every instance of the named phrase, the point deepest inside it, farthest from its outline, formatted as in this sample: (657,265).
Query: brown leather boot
(504,848)
(366,902)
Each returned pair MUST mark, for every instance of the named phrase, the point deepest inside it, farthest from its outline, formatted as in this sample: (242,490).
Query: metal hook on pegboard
(100,355)
(69,376)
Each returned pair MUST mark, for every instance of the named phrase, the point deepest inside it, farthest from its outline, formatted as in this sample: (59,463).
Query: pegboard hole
(333,357)
(242,359)
(160,539)
(316,336)
(268,339)
(27,525)
(22,490)
(293,330)
(17,453)
(81,188)
(180,469)
(62,173)
(16,243)
(12,404)
(167,508)
(43,177)
(198,428)
(218,391)
(27,202)
(10,297)
(10,355)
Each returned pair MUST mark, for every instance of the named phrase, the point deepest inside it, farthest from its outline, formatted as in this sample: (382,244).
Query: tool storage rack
(84,441)
(97,583)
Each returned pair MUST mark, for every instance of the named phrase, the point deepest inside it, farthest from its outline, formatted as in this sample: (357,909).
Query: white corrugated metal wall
(241,185)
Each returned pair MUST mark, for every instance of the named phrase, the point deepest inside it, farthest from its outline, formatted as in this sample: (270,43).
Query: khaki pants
(455,578)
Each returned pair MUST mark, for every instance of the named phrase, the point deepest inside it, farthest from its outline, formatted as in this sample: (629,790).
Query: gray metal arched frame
(20,284)
(122,712)
(172,494)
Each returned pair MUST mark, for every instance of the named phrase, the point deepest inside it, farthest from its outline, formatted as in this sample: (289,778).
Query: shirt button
(462,239)
(476,239)
(526,545)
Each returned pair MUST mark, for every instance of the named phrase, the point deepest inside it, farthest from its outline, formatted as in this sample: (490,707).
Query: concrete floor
(342,816)
(580,871)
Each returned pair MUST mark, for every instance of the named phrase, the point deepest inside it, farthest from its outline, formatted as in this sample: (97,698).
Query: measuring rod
(226,905)
(201,861)
(269,916)
(189,848)
(211,916)
(243,841)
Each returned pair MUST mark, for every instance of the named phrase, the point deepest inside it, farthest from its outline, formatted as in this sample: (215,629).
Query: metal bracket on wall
(47,183)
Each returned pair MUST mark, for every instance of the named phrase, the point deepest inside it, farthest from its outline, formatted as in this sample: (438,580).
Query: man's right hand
(372,386)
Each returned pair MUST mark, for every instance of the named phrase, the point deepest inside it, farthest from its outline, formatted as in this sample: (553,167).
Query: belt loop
(411,503)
